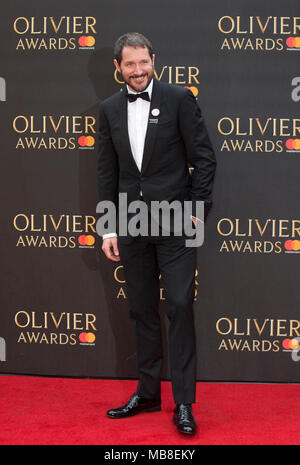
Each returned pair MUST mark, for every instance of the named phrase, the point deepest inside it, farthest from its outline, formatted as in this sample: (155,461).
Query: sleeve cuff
(106,236)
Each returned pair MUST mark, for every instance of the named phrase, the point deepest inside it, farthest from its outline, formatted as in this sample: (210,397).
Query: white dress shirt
(137,116)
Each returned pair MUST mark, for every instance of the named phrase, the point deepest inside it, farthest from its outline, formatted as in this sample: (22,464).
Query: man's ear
(153,58)
(117,65)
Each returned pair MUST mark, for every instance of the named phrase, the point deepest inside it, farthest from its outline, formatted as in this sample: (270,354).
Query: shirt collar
(148,89)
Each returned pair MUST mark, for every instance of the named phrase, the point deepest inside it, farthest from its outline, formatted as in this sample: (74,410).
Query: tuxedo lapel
(152,126)
(124,131)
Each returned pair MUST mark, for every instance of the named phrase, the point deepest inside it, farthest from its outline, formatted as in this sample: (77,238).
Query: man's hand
(110,248)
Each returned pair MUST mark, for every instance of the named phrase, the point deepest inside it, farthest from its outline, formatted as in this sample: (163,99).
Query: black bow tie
(133,97)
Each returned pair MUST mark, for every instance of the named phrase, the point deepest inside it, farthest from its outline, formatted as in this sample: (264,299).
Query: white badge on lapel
(155,112)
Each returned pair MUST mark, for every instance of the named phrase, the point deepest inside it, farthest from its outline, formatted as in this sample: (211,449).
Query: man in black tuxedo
(150,134)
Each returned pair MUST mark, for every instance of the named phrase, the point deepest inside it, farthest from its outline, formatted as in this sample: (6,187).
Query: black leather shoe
(135,405)
(184,419)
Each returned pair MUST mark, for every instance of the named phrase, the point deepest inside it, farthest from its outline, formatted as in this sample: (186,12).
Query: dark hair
(131,39)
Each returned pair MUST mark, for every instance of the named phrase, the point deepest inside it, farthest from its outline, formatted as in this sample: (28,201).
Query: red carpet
(53,411)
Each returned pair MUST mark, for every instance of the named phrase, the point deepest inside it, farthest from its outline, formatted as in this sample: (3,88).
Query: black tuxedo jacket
(176,140)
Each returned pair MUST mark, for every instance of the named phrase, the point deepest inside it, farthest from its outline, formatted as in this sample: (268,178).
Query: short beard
(136,89)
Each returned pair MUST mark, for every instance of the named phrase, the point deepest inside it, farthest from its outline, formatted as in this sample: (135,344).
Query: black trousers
(144,259)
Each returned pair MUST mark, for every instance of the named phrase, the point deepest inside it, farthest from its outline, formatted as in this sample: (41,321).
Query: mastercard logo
(293,144)
(86,240)
(293,245)
(86,141)
(293,42)
(86,41)
(194,90)
(87,337)
(290,344)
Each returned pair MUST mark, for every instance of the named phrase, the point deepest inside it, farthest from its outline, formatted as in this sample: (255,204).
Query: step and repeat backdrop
(63,304)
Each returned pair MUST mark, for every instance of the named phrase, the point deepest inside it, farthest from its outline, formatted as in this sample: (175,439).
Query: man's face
(136,67)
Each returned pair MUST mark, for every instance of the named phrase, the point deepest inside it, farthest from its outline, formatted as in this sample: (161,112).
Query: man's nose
(138,69)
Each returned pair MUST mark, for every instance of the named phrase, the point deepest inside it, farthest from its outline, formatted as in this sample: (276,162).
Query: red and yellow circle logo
(290,344)
(293,42)
(193,89)
(86,240)
(292,245)
(86,141)
(87,337)
(86,41)
(293,144)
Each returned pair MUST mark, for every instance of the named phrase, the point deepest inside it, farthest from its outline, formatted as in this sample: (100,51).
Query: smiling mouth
(138,78)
